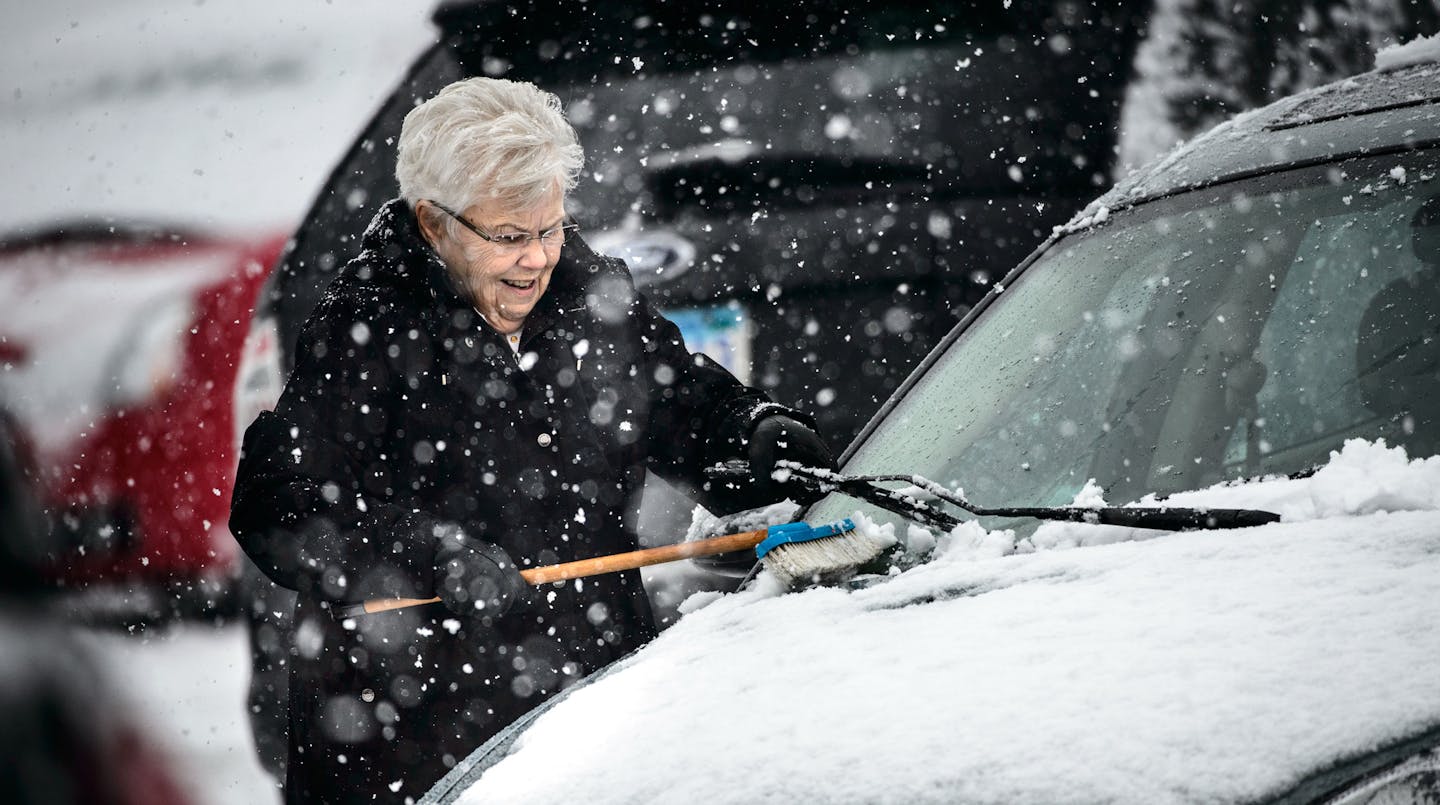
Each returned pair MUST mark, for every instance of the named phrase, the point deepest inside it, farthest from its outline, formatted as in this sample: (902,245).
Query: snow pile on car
(1203,666)
(1362,478)
(1419,50)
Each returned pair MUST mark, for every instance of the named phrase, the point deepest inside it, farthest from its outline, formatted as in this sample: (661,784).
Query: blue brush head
(777,535)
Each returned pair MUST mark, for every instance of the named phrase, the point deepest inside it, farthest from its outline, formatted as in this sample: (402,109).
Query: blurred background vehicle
(69,738)
(120,340)
(119,345)
(157,159)
(1254,322)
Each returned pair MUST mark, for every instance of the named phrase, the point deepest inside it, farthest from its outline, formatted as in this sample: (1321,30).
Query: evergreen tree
(1205,60)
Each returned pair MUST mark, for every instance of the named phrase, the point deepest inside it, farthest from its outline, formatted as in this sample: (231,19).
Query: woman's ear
(430,228)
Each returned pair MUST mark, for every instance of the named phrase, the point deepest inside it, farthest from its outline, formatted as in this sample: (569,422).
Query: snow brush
(794,552)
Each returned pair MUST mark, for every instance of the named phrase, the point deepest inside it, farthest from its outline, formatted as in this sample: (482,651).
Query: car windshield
(1240,330)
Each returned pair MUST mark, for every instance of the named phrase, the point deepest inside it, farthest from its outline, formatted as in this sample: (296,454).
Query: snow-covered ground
(1083,664)
(187,687)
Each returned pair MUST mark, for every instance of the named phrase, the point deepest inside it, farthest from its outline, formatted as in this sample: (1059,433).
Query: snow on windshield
(1205,666)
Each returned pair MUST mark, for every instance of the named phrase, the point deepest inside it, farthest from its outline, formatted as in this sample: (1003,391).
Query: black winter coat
(406,412)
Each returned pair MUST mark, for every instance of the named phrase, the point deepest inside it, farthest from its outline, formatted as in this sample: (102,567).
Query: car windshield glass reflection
(1243,330)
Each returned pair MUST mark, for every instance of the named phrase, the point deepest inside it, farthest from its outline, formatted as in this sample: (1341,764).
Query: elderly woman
(476,392)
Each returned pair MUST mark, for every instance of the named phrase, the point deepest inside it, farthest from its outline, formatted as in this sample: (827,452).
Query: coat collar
(394,240)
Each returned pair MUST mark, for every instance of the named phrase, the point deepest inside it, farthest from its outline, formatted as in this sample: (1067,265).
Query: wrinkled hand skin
(780,438)
(475,579)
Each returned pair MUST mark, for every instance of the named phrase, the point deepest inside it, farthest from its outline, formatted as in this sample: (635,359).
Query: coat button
(367,695)
(543,439)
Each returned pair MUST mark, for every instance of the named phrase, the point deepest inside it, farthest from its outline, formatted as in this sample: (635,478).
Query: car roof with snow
(1392,108)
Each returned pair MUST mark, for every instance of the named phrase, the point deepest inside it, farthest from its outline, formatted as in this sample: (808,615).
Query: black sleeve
(700,413)
(310,507)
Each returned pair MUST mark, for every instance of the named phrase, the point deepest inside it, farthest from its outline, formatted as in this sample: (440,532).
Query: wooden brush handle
(604,564)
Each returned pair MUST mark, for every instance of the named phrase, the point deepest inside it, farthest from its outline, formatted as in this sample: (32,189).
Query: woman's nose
(532,254)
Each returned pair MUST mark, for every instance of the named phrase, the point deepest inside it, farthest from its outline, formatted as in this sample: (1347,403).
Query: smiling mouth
(518,285)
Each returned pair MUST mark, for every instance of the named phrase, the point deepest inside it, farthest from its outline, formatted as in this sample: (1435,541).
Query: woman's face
(503,282)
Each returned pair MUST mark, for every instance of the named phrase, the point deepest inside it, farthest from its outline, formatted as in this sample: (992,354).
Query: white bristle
(823,560)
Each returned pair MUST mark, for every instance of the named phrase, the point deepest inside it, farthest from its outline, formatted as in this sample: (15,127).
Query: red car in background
(119,350)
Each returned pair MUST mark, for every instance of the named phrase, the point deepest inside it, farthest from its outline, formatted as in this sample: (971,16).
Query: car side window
(1312,349)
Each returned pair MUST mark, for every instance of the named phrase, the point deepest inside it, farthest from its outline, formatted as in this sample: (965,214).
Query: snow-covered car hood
(1195,667)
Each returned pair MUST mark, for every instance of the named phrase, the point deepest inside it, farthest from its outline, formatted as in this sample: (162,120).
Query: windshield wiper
(859,487)
(901,502)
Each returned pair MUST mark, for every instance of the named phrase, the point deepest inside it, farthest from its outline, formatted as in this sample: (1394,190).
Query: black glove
(476,579)
(780,438)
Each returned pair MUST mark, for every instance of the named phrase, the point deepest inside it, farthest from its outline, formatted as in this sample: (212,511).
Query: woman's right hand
(473,578)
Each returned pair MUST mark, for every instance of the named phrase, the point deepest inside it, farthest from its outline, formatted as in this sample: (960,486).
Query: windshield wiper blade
(891,500)
(1160,518)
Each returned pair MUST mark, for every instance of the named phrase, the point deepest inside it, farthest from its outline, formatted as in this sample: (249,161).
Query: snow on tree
(1205,60)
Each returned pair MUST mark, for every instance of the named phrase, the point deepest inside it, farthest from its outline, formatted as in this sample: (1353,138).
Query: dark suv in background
(839,182)
(815,194)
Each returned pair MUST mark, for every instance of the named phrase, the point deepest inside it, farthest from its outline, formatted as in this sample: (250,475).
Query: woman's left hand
(780,438)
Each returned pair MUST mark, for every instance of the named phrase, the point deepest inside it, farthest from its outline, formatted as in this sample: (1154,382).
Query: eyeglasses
(514,241)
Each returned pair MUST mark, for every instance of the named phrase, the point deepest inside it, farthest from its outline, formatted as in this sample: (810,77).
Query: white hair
(487,139)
